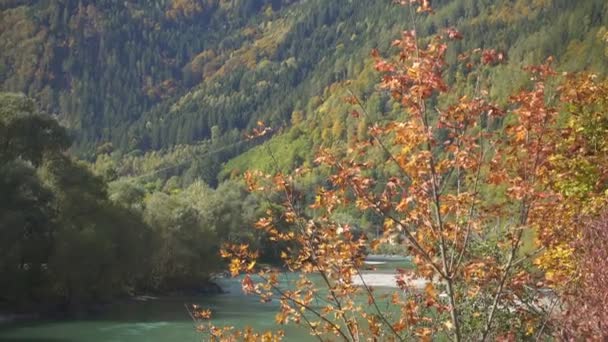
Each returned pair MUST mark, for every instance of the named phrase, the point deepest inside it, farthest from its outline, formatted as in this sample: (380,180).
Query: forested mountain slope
(526,33)
(160,75)
(102,64)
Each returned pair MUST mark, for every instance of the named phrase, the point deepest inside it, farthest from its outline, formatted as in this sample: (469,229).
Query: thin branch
(524,210)
(312,327)
(404,229)
(312,248)
(338,303)
(378,140)
(437,204)
(380,314)
(528,256)
(546,320)
(194,321)
(501,285)
(470,218)
(310,309)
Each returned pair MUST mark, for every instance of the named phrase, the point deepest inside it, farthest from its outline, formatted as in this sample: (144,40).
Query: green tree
(184,248)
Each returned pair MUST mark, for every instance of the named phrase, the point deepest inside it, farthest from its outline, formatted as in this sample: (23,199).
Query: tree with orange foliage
(466,198)
(187,8)
(580,250)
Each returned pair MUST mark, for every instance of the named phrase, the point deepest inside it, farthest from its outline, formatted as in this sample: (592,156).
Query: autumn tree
(186,8)
(577,258)
(491,217)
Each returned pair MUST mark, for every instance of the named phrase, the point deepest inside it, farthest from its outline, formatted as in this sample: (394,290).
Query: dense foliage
(70,239)
(499,203)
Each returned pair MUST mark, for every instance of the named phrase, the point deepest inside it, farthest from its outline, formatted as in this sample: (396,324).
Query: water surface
(162,319)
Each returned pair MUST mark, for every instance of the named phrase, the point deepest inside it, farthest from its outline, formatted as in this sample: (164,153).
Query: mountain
(152,81)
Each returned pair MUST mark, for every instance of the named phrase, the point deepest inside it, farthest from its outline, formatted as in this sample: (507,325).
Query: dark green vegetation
(69,239)
(156,96)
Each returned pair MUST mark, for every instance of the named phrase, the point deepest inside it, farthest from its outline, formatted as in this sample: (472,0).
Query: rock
(212,288)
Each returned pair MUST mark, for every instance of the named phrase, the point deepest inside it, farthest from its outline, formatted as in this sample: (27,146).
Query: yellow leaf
(430,291)
(529,329)
(251,265)
(374,244)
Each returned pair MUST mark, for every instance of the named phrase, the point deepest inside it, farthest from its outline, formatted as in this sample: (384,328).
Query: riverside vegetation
(70,239)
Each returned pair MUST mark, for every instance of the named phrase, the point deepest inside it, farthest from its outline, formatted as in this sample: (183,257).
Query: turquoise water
(162,319)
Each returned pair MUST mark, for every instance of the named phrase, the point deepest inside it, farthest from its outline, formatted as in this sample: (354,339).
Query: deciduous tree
(491,217)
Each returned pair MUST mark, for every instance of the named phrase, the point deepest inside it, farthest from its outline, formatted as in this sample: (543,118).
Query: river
(155,320)
(161,319)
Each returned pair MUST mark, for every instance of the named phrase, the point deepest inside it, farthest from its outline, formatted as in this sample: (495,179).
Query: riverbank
(387,258)
(6,318)
(388,280)
(59,311)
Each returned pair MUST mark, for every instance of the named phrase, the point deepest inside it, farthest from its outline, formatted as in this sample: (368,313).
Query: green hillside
(527,34)
(152,74)
(141,80)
